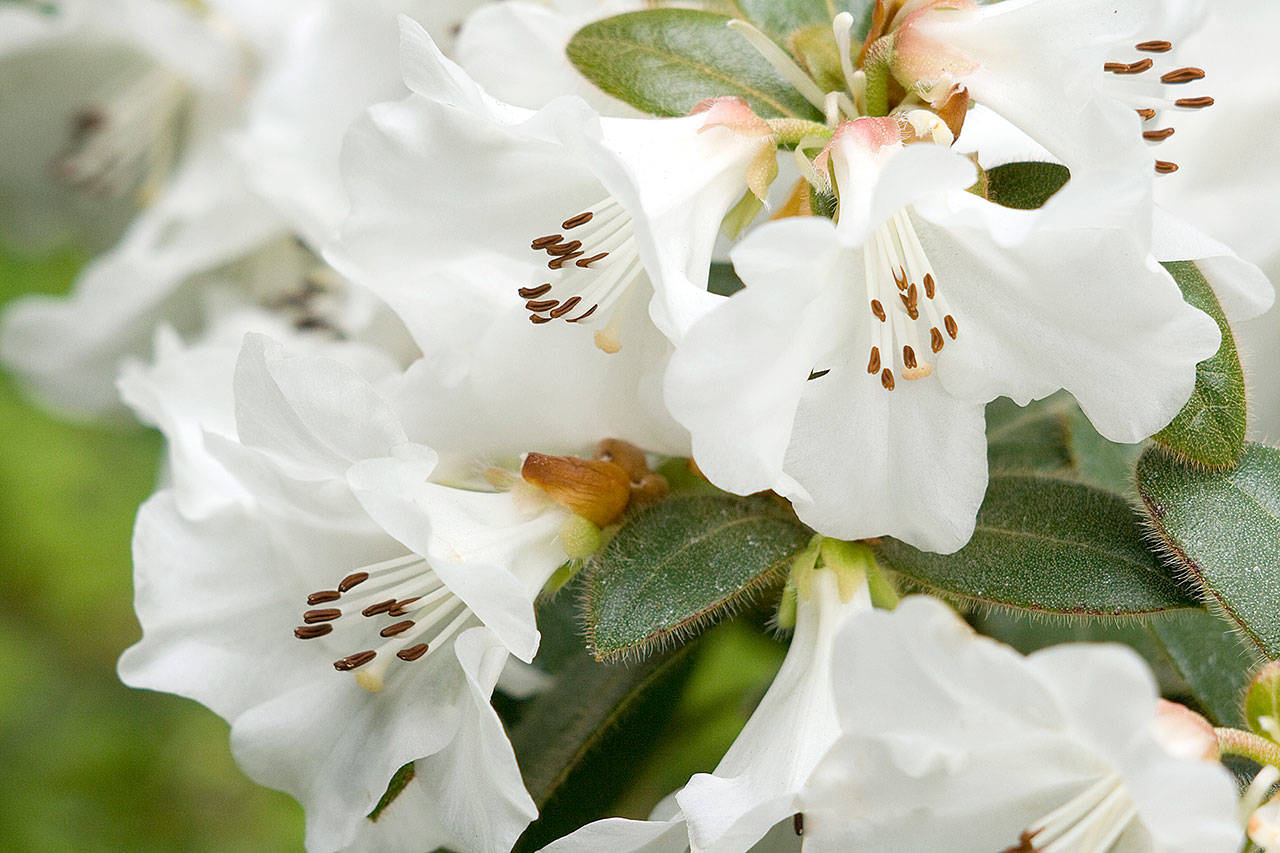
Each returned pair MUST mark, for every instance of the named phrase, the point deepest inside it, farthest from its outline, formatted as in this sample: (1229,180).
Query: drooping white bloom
(850,374)
(952,741)
(1083,93)
(342,554)
(517,244)
(757,783)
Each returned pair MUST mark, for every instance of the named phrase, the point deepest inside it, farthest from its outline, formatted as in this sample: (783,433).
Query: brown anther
(1194,103)
(1132,68)
(1147,114)
(912,311)
(380,607)
(935,339)
(543,305)
(559,262)
(878,310)
(913,295)
(544,242)
(886,379)
(873,364)
(566,306)
(400,607)
(538,320)
(909,357)
(953,110)
(327,615)
(1155,46)
(310,632)
(412,653)
(1183,75)
(533,292)
(584,316)
(398,628)
(930,286)
(1165,167)
(565,248)
(586,263)
(581,219)
(350,662)
(1157,135)
(351,581)
(592,488)
(952,328)
(900,278)
(322,596)
(797,823)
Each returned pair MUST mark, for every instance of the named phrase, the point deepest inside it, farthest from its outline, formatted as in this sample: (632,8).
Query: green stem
(876,68)
(1247,745)
(790,132)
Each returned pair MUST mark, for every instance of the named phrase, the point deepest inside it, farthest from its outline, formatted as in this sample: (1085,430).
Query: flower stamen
(1088,823)
(1148,105)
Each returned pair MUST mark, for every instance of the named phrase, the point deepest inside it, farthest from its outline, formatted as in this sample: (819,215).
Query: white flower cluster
(418,309)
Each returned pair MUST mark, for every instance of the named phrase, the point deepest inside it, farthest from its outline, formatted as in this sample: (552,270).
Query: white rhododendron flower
(851,373)
(1076,93)
(341,554)
(757,783)
(952,741)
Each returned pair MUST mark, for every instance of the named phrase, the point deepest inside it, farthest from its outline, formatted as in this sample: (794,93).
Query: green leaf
(1025,186)
(1029,438)
(681,564)
(577,742)
(667,61)
(1262,702)
(1210,428)
(781,18)
(1050,545)
(1097,460)
(1222,530)
(723,281)
(1209,656)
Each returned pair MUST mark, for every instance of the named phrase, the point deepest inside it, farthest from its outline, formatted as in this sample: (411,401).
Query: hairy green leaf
(781,18)
(1262,702)
(1050,545)
(681,564)
(1027,185)
(1210,428)
(1029,438)
(1209,656)
(667,61)
(1222,530)
(576,742)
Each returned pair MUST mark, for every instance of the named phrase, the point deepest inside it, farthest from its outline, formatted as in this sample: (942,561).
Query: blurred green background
(93,765)
(90,764)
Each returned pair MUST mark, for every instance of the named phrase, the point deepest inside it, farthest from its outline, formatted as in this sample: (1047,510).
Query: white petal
(1043,303)
(448,803)
(314,413)
(1240,286)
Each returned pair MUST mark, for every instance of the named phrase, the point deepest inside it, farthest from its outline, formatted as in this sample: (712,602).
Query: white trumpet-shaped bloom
(512,241)
(952,741)
(346,614)
(1094,93)
(850,374)
(756,785)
